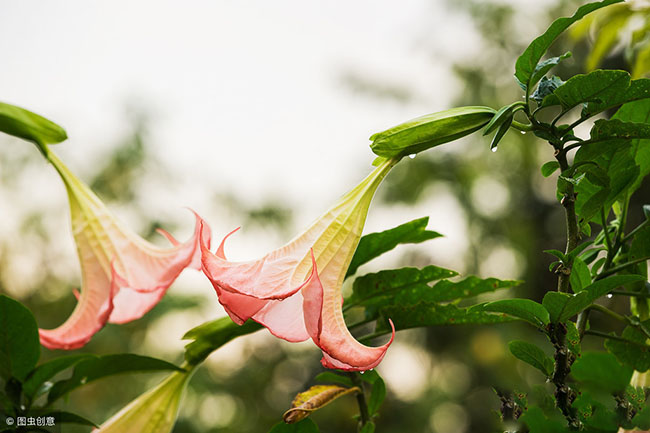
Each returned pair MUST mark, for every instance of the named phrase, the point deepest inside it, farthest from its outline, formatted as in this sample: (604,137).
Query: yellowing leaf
(313,399)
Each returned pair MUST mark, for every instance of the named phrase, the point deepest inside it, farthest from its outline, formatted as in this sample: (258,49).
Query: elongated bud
(30,126)
(431,130)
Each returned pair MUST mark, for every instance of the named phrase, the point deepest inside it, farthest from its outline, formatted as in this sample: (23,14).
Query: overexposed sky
(244,96)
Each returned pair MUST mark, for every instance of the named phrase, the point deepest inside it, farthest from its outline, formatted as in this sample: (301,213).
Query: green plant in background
(597,174)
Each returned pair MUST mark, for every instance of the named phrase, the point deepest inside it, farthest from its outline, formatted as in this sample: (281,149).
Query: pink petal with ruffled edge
(326,326)
(269,290)
(94,305)
(280,312)
(123,276)
(151,272)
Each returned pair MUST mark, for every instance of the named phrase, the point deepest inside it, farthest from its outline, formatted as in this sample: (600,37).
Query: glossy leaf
(617,129)
(580,275)
(524,309)
(434,314)
(61,417)
(408,286)
(541,70)
(30,126)
(549,168)
(373,245)
(210,336)
(601,370)
(48,370)
(331,377)
(528,62)
(431,130)
(19,343)
(107,365)
(533,355)
(606,285)
(598,91)
(636,352)
(377,396)
(313,399)
(562,306)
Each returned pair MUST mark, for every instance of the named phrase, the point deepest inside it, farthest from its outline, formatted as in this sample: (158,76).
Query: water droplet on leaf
(412,155)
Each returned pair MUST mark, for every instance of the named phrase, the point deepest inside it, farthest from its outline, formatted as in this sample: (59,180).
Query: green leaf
(505,126)
(618,129)
(433,314)
(573,338)
(210,336)
(409,286)
(533,355)
(304,426)
(598,91)
(61,417)
(107,365)
(637,112)
(431,130)
(635,353)
(368,428)
(331,377)
(549,168)
(562,306)
(501,116)
(606,285)
(523,309)
(377,395)
(48,370)
(601,370)
(537,422)
(528,62)
(546,88)
(24,124)
(541,70)
(557,253)
(375,244)
(19,342)
(580,275)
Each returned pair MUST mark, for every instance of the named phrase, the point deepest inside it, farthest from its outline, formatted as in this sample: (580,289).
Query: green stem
(631,294)
(569,203)
(364,415)
(603,221)
(619,268)
(608,312)
(521,126)
(635,231)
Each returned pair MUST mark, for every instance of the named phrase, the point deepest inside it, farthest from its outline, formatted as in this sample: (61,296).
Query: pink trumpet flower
(123,276)
(295,291)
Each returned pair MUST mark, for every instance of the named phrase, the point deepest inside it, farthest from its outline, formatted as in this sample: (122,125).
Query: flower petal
(326,326)
(93,308)
(123,276)
(269,290)
(283,318)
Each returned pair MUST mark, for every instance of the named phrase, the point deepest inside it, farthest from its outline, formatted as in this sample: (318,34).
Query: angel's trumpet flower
(295,291)
(123,276)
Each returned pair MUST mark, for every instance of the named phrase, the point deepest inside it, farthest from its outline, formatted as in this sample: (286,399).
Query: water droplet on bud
(494,149)
(609,296)
(523,132)
(412,155)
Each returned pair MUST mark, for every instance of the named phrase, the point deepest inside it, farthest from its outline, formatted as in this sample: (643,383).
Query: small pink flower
(295,291)
(123,276)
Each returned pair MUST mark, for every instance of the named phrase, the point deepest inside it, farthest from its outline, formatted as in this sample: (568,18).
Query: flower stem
(364,415)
